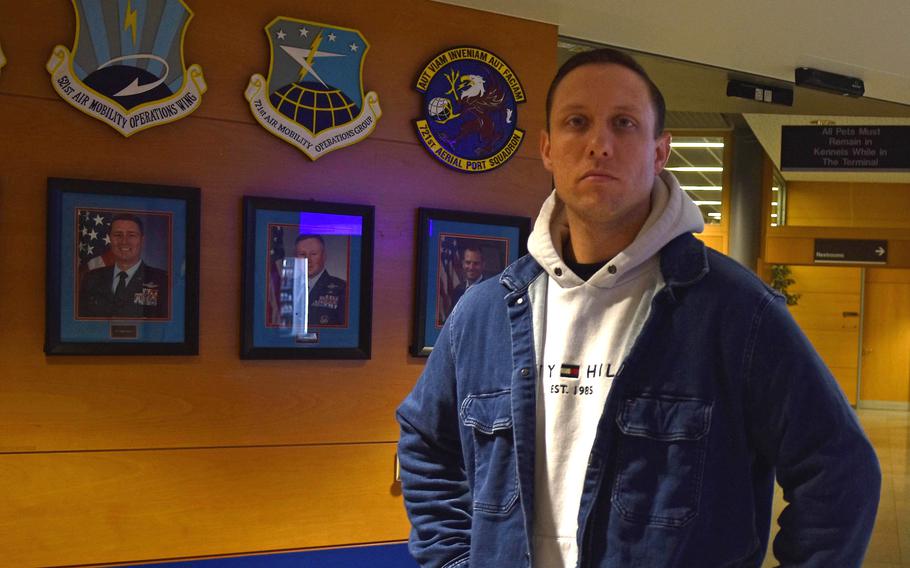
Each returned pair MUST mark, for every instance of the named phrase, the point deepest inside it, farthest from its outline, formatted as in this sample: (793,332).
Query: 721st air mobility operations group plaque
(313,97)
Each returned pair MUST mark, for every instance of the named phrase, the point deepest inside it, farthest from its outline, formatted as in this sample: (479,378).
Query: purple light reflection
(331,224)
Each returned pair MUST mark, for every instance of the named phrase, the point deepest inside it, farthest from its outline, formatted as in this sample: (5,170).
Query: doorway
(885,378)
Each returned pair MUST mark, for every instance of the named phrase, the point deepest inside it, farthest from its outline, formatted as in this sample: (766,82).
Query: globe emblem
(440,108)
(314,106)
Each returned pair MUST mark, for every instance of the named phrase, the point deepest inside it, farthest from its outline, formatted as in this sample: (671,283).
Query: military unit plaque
(2,58)
(313,97)
(470,115)
(126,68)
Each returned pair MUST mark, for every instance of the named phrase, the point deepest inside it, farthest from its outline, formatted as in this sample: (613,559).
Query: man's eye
(575,121)
(625,122)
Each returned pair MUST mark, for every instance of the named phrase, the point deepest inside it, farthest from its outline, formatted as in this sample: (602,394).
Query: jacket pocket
(489,416)
(661,459)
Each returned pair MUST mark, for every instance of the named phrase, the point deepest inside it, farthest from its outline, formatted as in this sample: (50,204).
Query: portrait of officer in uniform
(128,288)
(327,293)
(472,266)
(466,262)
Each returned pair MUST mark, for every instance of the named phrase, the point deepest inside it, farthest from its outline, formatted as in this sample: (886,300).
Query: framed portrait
(456,250)
(122,269)
(307,279)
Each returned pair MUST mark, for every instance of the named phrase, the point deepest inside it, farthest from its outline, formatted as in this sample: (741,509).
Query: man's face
(126,242)
(314,252)
(472,264)
(601,147)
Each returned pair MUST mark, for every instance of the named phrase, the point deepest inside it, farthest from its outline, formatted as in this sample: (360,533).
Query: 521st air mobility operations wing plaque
(313,97)
(126,68)
(469,105)
(2,58)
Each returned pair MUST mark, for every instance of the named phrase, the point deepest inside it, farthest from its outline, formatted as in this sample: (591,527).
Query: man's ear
(662,152)
(545,150)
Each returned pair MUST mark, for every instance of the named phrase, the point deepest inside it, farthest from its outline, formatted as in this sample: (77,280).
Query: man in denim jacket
(623,396)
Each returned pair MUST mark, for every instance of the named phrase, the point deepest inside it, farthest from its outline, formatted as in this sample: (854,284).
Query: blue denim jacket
(720,391)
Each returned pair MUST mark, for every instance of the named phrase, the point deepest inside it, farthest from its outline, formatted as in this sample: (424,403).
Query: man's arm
(802,423)
(436,492)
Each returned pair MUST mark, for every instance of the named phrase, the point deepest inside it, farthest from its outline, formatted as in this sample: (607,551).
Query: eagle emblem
(470,115)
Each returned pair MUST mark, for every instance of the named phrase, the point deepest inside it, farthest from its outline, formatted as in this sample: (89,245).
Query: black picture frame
(335,320)
(443,239)
(156,312)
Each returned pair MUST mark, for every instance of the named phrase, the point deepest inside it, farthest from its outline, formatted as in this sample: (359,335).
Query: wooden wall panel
(716,241)
(86,506)
(108,459)
(825,204)
(796,245)
(886,336)
(228,41)
(827,312)
(216,398)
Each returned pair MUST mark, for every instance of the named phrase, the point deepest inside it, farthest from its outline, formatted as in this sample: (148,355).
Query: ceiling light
(707,202)
(702,187)
(696,144)
(695,169)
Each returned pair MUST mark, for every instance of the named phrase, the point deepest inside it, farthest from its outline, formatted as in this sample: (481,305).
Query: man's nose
(600,142)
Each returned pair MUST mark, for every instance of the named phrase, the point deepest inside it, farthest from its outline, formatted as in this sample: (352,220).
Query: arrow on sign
(880,251)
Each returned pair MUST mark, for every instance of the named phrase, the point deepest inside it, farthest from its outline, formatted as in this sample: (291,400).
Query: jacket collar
(683,262)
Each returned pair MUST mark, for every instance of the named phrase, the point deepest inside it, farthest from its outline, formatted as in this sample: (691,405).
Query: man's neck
(591,242)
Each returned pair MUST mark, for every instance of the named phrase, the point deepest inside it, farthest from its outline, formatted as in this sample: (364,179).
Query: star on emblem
(354,47)
(304,32)
(281,34)
(332,36)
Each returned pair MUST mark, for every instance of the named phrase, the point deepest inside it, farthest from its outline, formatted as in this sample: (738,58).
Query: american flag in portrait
(449,277)
(276,254)
(94,241)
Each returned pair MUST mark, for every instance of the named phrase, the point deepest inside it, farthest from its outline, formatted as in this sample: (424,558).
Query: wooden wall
(828,313)
(851,211)
(886,337)
(853,204)
(117,459)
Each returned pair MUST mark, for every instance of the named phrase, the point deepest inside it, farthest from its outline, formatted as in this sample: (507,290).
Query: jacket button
(520,301)
(558,271)
(611,269)
(525,372)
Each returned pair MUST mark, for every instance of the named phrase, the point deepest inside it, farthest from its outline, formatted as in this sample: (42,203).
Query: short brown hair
(609,56)
(131,218)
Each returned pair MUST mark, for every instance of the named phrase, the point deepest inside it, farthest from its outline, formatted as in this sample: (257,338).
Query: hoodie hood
(672,214)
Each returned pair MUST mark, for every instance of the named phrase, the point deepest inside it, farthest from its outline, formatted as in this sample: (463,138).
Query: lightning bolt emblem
(129,19)
(305,57)
(308,66)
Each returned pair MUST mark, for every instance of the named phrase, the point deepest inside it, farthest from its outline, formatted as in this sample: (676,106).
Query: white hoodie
(585,330)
